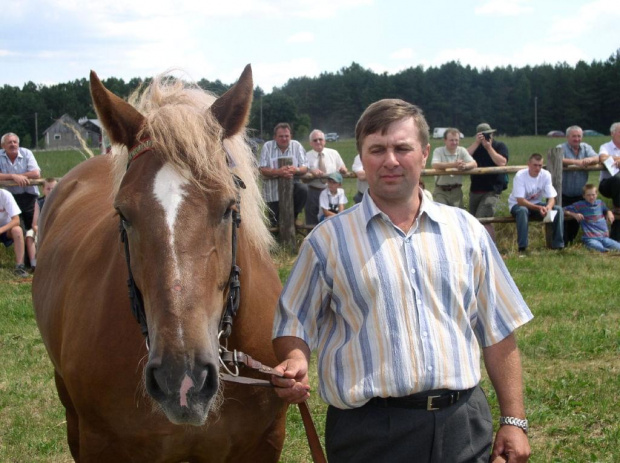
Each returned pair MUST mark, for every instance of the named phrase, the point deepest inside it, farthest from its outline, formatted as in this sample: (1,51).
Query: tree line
(516,101)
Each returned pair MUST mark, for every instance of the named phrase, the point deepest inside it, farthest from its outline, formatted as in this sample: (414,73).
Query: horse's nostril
(152,384)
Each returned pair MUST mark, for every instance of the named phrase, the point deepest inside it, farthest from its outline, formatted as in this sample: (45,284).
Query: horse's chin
(195,413)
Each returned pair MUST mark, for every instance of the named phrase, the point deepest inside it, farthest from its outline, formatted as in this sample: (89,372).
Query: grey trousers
(460,433)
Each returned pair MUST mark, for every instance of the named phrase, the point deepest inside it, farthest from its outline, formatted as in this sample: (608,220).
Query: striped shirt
(24,162)
(573,182)
(269,156)
(392,314)
(593,223)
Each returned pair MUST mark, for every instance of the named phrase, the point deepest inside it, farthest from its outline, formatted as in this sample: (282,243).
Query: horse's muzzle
(185,395)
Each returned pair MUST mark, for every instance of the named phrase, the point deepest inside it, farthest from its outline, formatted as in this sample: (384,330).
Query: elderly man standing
(18,164)
(399,295)
(574,153)
(282,147)
(610,185)
(321,161)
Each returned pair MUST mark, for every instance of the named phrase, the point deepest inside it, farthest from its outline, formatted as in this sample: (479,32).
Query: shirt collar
(427,208)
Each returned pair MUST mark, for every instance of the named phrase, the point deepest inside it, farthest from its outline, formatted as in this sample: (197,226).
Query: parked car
(438,132)
(331,136)
(592,133)
(556,134)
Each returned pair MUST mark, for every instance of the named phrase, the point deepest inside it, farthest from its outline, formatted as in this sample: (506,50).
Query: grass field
(571,350)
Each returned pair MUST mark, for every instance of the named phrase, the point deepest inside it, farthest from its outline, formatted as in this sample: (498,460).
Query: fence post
(286,220)
(554,166)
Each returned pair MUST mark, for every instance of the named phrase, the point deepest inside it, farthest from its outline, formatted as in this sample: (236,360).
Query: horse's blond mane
(187,135)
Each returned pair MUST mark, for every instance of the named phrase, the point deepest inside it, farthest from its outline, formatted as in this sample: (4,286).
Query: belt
(317,188)
(449,187)
(425,401)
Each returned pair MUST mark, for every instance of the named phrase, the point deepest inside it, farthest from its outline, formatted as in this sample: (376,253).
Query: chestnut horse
(178,175)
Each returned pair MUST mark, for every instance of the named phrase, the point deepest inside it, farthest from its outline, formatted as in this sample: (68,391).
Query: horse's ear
(233,107)
(121,120)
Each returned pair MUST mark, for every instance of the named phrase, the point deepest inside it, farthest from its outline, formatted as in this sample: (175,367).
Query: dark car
(592,133)
(556,134)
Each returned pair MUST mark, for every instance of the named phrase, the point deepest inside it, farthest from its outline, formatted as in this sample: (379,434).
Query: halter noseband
(234,287)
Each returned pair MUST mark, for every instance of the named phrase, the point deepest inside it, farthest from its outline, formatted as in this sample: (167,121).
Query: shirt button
(429,368)
(418,301)
(424,334)
(412,271)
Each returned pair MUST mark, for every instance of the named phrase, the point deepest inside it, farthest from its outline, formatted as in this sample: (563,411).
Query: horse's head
(177,151)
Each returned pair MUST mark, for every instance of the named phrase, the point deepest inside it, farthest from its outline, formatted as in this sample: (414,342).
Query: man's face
(534,166)
(282,138)
(11,145)
(317,141)
(393,162)
(615,137)
(590,195)
(452,142)
(574,138)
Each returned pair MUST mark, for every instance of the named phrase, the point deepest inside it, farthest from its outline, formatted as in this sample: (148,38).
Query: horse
(176,181)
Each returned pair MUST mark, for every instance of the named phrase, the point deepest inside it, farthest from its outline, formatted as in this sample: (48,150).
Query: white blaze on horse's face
(170,190)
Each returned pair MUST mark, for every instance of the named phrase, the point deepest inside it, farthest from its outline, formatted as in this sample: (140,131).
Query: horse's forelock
(187,135)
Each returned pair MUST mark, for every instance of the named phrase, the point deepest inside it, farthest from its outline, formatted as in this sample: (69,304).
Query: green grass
(570,351)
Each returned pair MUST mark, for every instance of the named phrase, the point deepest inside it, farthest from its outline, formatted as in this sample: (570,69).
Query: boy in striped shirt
(591,214)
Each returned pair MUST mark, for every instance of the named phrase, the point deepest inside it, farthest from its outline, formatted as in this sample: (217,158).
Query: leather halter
(234,287)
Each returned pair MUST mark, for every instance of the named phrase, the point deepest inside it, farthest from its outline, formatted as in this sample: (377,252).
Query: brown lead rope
(236,358)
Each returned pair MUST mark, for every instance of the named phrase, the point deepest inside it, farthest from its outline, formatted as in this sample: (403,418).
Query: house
(66,133)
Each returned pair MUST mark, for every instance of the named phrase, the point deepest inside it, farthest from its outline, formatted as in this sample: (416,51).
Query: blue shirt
(24,162)
(573,182)
(394,313)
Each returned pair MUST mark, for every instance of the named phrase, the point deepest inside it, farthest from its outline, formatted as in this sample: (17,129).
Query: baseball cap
(336,177)
(484,128)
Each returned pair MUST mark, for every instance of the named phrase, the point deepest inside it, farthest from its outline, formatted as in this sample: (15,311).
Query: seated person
(333,198)
(10,230)
(448,188)
(31,235)
(591,213)
(528,189)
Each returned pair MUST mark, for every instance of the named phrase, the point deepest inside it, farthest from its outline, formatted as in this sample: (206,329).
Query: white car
(331,136)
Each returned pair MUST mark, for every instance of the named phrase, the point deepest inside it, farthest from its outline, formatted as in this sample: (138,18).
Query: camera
(487,136)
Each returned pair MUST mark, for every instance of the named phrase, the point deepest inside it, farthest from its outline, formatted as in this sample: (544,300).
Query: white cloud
(593,18)
(301,37)
(403,53)
(269,75)
(504,8)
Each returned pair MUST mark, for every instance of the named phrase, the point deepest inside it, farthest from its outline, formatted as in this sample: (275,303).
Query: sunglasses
(317,139)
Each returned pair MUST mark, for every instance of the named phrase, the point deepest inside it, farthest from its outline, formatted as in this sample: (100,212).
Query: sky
(56,41)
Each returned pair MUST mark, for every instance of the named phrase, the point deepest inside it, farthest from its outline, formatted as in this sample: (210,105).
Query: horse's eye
(228,213)
(124,222)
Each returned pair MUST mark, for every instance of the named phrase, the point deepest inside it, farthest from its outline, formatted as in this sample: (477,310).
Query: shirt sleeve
(465,154)
(436,156)
(302,299)
(323,200)
(264,156)
(342,197)
(31,161)
(518,187)
(357,164)
(590,153)
(300,154)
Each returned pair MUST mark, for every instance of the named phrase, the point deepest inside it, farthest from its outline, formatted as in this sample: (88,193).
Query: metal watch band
(512,421)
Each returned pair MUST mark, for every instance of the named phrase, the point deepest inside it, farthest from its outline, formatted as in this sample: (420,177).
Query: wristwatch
(512,421)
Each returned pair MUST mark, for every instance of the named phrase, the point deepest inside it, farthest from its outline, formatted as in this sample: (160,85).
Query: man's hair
(589,186)
(573,127)
(310,137)
(536,156)
(381,114)
(452,130)
(50,180)
(8,134)
(615,126)
(282,125)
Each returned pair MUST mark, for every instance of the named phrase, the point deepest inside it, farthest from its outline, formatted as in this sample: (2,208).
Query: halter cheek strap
(138,150)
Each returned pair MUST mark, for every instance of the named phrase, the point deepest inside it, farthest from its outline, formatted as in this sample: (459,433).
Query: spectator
(398,295)
(333,198)
(609,185)
(574,153)
(591,214)
(448,188)
(321,161)
(19,165)
(528,189)
(362,184)
(283,147)
(486,189)
(10,231)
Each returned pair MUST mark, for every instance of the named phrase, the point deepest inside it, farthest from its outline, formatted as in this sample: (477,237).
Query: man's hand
(294,387)
(578,217)
(542,210)
(610,217)
(511,443)
(287,171)
(21,180)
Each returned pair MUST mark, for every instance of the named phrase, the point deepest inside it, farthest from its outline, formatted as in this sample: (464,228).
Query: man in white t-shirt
(10,231)
(529,187)
(362,184)
(610,185)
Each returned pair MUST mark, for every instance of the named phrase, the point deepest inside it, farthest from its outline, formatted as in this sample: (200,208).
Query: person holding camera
(486,189)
